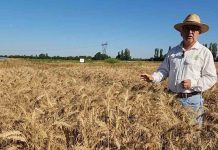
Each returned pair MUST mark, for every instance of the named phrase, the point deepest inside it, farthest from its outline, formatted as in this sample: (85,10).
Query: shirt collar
(196,46)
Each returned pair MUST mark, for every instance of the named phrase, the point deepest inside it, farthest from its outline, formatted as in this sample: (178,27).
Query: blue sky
(79,27)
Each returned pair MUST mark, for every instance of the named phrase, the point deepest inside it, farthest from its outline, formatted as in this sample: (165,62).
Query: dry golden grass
(96,106)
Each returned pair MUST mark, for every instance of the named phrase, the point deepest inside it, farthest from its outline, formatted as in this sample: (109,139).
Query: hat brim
(203,27)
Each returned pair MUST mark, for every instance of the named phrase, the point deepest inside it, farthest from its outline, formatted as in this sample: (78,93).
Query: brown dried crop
(96,106)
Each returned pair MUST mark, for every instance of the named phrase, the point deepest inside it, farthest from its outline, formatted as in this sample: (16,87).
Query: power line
(104,47)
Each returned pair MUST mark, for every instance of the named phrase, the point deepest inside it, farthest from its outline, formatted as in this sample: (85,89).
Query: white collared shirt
(196,64)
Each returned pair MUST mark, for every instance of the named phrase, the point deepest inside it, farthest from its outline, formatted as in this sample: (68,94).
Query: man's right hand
(147,77)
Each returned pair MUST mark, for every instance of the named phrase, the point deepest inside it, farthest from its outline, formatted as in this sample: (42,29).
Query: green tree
(127,54)
(100,56)
(42,56)
(118,56)
(210,47)
(122,55)
(214,50)
(156,53)
(161,54)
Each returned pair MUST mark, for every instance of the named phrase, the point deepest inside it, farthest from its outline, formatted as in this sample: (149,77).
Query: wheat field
(59,106)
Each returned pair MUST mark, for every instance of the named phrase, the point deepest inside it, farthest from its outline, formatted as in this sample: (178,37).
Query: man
(189,66)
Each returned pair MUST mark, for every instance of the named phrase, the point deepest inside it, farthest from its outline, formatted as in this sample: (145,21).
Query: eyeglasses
(192,28)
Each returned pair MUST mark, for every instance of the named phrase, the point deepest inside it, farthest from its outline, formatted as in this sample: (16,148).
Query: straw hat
(192,19)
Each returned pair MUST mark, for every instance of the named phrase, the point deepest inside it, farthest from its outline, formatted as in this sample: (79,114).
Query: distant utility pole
(104,47)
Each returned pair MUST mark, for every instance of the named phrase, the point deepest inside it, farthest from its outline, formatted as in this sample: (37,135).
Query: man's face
(190,33)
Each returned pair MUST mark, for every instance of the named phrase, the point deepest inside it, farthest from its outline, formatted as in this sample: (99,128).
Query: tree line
(122,55)
(46,56)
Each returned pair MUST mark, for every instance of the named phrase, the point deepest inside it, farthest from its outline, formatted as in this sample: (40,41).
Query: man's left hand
(186,84)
